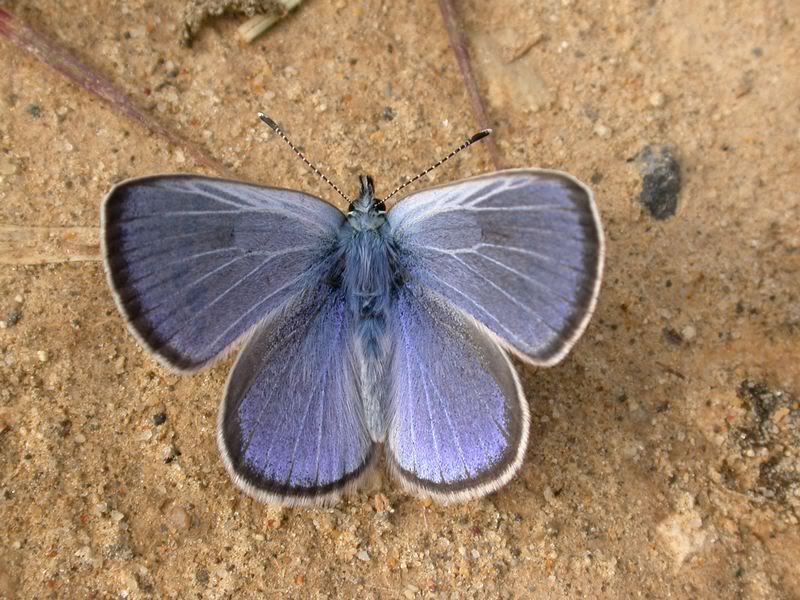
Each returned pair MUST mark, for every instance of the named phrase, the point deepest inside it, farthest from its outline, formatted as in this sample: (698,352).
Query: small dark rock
(388,113)
(160,418)
(34,110)
(661,180)
(64,428)
(201,576)
(761,399)
(672,336)
(13,318)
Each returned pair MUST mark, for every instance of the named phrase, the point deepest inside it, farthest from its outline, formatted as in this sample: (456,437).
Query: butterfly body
(370,283)
(364,333)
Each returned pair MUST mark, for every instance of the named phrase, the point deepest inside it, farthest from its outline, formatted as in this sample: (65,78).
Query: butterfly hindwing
(520,250)
(291,429)
(458,419)
(196,262)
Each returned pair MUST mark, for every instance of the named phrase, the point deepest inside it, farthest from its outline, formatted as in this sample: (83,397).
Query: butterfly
(366,333)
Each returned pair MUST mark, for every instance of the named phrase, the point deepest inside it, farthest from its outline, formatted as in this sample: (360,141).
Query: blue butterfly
(366,333)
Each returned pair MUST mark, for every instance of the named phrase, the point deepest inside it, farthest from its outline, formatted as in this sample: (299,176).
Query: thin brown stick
(47,245)
(462,57)
(59,58)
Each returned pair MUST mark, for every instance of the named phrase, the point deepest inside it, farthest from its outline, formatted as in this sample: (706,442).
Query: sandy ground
(664,459)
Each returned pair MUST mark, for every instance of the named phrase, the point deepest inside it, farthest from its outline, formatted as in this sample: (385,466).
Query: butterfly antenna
(274,126)
(475,138)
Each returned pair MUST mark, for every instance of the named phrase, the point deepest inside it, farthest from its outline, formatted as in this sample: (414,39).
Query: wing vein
(548,290)
(480,307)
(507,295)
(452,427)
(322,385)
(257,422)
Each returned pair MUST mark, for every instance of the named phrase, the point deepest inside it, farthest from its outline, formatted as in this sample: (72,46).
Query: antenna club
(477,137)
(480,135)
(274,126)
(270,123)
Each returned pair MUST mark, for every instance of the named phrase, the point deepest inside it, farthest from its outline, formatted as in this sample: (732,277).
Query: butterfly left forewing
(196,262)
(458,418)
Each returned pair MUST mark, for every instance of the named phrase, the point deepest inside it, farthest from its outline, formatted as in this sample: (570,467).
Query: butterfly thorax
(369,282)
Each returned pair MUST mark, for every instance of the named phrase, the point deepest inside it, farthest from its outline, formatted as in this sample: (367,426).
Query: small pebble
(201,576)
(363,556)
(117,516)
(657,100)
(7,167)
(168,454)
(602,131)
(79,438)
(411,591)
(382,504)
(160,418)
(780,414)
(688,333)
(274,517)
(178,518)
(42,356)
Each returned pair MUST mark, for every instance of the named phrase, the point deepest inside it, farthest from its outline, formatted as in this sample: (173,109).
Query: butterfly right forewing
(519,250)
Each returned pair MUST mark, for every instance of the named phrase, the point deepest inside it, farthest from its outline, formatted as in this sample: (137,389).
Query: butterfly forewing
(196,262)
(521,251)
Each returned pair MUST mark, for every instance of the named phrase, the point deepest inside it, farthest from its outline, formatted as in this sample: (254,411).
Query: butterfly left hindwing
(290,426)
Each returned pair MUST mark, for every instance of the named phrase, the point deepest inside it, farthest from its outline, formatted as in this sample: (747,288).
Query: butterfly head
(366,203)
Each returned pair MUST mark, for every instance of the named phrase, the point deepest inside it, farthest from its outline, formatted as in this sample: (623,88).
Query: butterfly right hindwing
(458,419)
